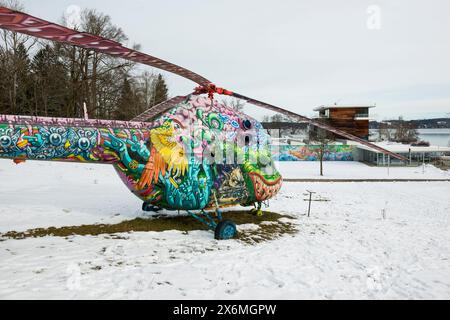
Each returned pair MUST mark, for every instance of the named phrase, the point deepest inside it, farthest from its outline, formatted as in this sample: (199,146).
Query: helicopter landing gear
(150,208)
(223,230)
(257,211)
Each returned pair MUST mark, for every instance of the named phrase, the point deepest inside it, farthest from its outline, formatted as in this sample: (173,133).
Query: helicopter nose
(266,187)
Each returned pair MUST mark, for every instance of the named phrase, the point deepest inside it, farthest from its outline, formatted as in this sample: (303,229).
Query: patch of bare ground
(268,231)
(269,226)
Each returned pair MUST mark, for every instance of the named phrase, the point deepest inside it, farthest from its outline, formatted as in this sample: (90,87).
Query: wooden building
(351,119)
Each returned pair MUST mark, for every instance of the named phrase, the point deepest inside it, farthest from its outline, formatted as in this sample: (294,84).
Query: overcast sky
(296,54)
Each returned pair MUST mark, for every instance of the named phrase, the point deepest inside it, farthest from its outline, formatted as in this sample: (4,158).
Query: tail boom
(63,139)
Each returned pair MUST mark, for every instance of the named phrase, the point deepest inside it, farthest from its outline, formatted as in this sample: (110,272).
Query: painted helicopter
(189,153)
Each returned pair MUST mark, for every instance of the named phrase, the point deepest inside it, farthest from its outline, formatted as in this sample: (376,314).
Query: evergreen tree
(126,101)
(50,83)
(21,83)
(161,91)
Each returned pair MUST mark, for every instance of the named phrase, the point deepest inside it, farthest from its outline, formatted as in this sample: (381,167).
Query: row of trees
(50,79)
(398,131)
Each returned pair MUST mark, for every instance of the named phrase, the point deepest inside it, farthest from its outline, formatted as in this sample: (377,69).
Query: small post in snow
(389,163)
(409,151)
(423,162)
(310,199)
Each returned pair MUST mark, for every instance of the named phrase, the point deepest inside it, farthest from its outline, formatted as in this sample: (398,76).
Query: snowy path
(344,250)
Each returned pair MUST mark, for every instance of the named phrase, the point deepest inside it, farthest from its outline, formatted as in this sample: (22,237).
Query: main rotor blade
(159,109)
(24,23)
(317,124)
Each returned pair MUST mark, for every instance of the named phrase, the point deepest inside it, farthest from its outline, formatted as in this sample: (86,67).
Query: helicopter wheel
(225,230)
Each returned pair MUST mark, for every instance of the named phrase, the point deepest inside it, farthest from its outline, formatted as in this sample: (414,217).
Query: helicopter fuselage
(199,154)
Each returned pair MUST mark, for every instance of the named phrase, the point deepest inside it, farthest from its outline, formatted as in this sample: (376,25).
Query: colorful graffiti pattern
(311,153)
(173,163)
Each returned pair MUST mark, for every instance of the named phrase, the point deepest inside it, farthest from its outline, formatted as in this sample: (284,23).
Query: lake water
(436,137)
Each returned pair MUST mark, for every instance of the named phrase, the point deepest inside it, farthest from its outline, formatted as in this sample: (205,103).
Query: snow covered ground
(356,170)
(370,240)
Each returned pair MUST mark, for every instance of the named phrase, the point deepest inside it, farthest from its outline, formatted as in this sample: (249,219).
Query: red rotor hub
(212,89)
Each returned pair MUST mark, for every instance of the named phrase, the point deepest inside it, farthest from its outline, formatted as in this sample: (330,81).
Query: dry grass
(269,227)
(267,232)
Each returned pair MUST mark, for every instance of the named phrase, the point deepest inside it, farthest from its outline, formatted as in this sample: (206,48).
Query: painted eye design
(55,139)
(84,144)
(5,141)
(247,124)
(234,124)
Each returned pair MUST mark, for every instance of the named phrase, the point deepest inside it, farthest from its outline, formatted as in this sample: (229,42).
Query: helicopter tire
(225,230)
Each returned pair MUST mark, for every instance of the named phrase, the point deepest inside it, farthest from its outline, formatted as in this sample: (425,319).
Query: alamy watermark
(72,15)
(373,21)
(73,277)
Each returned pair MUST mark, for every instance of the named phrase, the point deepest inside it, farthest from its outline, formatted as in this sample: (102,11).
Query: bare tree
(322,138)
(93,76)
(146,84)
(266,118)
(235,104)
(405,132)
(384,133)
